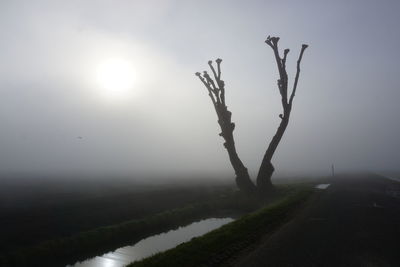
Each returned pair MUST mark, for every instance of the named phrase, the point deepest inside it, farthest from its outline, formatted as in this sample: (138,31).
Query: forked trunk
(266,170)
(216,92)
(264,183)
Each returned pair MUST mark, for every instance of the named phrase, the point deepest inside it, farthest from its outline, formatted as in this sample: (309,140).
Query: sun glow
(115,78)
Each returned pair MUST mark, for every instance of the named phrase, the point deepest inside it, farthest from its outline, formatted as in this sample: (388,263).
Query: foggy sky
(53,120)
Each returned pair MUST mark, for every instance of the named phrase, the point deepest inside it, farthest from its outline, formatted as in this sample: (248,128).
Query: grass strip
(219,245)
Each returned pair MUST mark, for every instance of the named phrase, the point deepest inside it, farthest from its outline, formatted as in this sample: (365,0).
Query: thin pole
(333,170)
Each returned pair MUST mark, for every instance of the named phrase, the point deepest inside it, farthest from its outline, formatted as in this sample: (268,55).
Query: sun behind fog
(115,78)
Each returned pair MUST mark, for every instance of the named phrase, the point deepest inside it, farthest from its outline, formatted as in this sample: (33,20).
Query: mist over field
(199,133)
(57,120)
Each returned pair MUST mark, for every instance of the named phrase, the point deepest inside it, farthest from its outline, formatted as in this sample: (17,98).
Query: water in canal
(322,186)
(153,244)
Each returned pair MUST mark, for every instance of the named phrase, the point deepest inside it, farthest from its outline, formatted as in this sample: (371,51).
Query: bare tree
(266,169)
(216,92)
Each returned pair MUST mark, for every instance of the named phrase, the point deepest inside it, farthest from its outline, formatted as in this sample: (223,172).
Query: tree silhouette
(216,92)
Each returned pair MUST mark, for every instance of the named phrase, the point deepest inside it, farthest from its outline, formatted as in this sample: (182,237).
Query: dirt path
(354,222)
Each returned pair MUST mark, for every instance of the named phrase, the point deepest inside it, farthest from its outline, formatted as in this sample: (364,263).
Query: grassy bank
(67,250)
(60,252)
(220,245)
(47,211)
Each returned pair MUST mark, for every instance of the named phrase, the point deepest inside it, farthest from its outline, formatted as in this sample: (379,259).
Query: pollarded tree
(216,91)
(266,169)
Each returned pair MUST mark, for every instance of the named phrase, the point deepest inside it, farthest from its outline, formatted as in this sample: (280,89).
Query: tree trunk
(266,170)
(216,92)
(243,180)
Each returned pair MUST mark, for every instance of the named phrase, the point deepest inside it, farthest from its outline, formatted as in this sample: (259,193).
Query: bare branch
(213,70)
(209,81)
(218,85)
(222,89)
(219,67)
(221,83)
(285,52)
(273,43)
(281,63)
(209,89)
(303,48)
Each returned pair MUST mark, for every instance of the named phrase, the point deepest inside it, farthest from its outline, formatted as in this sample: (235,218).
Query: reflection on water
(151,245)
(322,186)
